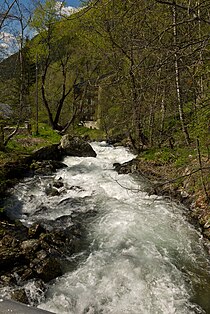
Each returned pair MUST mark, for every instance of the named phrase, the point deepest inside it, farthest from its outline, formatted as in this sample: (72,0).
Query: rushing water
(142,255)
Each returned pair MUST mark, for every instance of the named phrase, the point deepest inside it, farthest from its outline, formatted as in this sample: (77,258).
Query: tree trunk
(162,121)
(152,112)
(136,119)
(201,91)
(2,147)
(201,170)
(177,78)
(37,99)
(44,98)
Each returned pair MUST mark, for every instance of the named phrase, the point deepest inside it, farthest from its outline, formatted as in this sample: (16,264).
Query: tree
(122,37)
(55,46)
(157,51)
(177,77)
(5,9)
(17,15)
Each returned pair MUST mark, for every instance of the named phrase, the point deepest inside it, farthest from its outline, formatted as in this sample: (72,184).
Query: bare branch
(11,134)
(181,177)
(5,15)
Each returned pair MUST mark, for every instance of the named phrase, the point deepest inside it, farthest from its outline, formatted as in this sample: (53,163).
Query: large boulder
(51,152)
(75,146)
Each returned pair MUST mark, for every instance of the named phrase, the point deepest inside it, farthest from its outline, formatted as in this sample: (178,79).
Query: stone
(7,280)
(75,146)
(29,246)
(126,167)
(35,230)
(41,255)
(51,152)
(16,169)
(46,167)
(27,274)
(48,269)
(20,296)
(8,256)
(58,183)
(9,241)
(50,190)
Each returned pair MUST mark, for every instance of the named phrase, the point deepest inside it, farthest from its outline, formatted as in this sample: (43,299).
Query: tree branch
(181,177)
(5,15)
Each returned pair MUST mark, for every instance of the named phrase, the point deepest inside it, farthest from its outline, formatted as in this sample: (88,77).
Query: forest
(137,70)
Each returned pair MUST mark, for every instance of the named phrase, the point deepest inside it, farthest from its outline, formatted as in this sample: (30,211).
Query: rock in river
(75,146)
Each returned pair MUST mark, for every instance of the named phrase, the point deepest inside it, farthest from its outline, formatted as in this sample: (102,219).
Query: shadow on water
(200,282)
(197,276)
(12,207)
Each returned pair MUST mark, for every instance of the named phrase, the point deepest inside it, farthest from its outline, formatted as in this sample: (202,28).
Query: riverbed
(141,254)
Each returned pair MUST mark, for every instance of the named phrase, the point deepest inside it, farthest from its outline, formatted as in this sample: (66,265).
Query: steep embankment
(187,183)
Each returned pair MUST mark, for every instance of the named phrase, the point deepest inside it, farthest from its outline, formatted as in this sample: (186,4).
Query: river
(142,255)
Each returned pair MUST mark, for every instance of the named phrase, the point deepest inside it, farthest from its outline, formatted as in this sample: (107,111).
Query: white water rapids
(143,256)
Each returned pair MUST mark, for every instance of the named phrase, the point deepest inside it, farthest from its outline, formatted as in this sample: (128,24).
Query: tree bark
(1,138)
(201,170)
(177,78)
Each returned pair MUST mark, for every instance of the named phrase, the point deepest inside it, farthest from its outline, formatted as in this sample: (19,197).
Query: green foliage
(199,124)
(44,15)
(117,62)
(46,133)
(163,156)
(184,155)
(23,144)
(179,157)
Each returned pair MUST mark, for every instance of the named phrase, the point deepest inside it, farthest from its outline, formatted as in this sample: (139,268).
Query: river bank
(184,184)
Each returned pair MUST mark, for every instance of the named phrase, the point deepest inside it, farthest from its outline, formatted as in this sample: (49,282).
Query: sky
(8,41)
(73,3)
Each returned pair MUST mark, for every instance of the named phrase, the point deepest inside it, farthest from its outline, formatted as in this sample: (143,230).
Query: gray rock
(35,230)
(46,167)
(58,183)
(51,152)
(126,167)
(75,146)
(29,246)
(50,190)
(48,269)
(10,257)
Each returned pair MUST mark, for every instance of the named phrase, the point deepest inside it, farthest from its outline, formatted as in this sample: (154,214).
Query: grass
(179,156)
(23,144)
(47,134)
